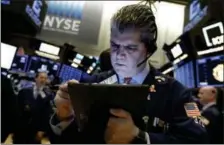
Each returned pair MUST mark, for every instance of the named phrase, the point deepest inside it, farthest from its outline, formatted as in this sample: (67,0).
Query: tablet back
(93,101)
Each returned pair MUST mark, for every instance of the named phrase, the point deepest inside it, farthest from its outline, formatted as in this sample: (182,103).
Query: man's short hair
(139,17)
(38,73)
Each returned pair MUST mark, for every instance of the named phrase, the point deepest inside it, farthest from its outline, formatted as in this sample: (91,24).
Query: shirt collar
(35,87)
(208,105)
(140,77)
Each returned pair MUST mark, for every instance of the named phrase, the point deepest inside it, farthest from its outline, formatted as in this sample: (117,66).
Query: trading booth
(21,69)
(197,55)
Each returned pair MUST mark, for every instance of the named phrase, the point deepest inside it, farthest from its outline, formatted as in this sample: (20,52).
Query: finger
(62,95)
(64,87)
(61,98)
(113,122)
(73,82)
(120,113)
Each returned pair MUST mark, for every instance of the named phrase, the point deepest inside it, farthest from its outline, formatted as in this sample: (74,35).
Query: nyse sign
(66,25)
(34,11)
(64,16)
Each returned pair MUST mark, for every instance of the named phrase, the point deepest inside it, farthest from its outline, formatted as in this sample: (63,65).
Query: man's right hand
(63,102)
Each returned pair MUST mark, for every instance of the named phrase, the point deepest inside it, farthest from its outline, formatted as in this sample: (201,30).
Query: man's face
(126,53)
(205,95)
(41,80)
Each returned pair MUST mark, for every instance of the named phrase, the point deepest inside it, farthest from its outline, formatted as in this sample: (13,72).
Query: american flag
(192,110)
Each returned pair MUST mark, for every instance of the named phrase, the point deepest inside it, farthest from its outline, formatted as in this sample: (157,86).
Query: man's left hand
(121,128)
(39,135)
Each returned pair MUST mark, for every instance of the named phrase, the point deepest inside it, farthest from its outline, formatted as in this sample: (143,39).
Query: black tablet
(87,97)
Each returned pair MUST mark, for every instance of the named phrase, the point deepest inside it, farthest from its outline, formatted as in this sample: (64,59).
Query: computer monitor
(185,74)
(210,71)
(20,63)
(50,49)
(39,64)
(67,73)
(7,55)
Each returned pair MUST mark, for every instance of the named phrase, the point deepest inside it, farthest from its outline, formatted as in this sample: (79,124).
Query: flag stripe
(192,109)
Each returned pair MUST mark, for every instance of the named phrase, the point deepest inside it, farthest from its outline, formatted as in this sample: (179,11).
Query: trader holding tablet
(172,116)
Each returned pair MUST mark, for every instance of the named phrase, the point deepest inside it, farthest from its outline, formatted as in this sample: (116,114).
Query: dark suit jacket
(9,108)
(167,104)
(34,115)
(215,126)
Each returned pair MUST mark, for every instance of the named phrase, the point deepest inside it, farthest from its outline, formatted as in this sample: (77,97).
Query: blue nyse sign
(34,11)
(64,16)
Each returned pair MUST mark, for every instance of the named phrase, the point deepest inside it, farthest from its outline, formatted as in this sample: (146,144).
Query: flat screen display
(176,51)
(185,74)
(210,71)
(67,73)
(7,55)
(38,64)
(50,49)
(20,63)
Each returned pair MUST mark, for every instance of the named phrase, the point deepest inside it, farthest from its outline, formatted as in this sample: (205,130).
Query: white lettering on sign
(60,24)
(216,40)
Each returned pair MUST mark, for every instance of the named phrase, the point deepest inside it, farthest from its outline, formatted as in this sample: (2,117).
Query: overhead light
(176,51)
(94,64)
(77,60)
(168,70)
(54,57)
(88,71)
(79,64)
(79,56)
(180,59)
(91,68)
(212,50)
(74,65)
(50,49)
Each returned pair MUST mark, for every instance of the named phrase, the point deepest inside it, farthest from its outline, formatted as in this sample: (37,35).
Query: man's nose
(121,53)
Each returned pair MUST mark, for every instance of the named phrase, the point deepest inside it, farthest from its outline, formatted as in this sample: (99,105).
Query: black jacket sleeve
(215,125)
(70,135)
(182,129)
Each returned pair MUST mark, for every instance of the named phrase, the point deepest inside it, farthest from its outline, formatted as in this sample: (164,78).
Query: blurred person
(9,107)
(133,41)
(211,115)
(105,62)
(34,106)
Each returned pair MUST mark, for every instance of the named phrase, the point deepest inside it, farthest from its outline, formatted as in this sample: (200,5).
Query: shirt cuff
(60,126)
(147,138)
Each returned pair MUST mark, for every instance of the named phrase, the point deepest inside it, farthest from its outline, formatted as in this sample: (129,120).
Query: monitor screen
(7,55)
(210,71)
(67,73)
(176,51)
(20,63)
(185,74)
(50,49)
(38,64)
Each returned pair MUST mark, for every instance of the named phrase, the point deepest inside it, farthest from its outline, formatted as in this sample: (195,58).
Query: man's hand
(120,130)
(39,135)
(9,139)
(62,101)
(45,141)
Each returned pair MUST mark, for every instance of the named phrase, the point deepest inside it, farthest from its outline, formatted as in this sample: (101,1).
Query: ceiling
(183,2)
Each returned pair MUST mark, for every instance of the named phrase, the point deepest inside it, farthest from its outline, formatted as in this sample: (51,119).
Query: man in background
(34,107)
(211,115)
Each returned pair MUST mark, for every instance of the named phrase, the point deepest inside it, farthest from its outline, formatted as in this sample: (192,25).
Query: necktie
(127,80)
